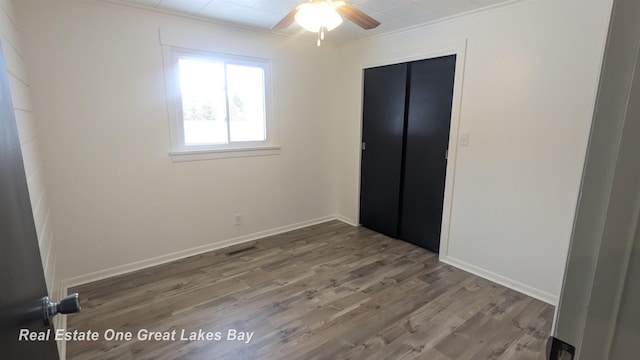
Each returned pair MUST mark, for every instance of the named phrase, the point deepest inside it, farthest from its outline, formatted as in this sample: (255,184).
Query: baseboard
(162,259)
(504,281)
(346,220)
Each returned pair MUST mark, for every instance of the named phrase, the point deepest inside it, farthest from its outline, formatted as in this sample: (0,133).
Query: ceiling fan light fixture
(316,15)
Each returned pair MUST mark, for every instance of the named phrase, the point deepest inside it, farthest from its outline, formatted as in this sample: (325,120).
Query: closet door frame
(457,48)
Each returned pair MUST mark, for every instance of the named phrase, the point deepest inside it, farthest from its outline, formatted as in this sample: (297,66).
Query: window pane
(203,101)
(246,103)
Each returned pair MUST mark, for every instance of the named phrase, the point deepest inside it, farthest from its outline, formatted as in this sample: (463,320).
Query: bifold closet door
(382,144)
(428,123)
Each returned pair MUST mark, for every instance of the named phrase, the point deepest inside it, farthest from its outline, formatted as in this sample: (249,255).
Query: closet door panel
(382,137)
(428,123)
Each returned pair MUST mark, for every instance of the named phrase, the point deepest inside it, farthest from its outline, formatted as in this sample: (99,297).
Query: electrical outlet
(238,219)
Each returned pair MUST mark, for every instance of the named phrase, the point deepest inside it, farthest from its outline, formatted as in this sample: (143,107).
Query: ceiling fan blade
(356,16)
(286,21)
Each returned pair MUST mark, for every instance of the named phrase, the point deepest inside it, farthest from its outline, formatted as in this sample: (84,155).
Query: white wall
(530,80)
(26,120)
(117,196)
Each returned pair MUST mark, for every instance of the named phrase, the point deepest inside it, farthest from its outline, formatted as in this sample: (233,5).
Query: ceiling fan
(325,15)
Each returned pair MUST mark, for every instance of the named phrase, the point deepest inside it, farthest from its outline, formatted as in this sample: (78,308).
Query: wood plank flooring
(330,291)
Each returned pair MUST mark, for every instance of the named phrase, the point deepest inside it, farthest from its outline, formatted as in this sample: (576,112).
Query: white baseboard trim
(346,220)
(504,281)
(162,259)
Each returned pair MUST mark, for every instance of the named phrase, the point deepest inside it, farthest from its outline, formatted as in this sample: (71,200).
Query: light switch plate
(464,139)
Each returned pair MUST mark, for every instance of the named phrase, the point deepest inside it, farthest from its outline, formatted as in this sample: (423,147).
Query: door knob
(68,305)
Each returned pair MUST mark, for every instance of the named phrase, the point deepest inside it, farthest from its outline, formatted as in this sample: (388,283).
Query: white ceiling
(263,14)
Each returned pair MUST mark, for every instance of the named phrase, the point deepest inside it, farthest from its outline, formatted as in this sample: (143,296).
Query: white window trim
(181,152)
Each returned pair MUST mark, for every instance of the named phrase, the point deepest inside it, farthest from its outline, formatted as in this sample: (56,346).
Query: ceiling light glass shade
(314,15)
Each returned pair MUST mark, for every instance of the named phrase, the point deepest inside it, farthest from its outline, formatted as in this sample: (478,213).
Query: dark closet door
(428,123)
(382,137)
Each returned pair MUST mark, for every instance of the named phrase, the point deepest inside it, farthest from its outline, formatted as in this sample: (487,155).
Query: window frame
(179,151)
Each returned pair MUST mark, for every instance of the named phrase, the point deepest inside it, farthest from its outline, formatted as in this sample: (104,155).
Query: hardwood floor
(330,291)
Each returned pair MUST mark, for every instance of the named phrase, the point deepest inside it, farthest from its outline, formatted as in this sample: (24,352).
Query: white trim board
(60,322)
(504,281)
(163,259)
(346,220)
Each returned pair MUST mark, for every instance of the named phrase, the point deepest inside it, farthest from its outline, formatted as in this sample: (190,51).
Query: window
(218,104)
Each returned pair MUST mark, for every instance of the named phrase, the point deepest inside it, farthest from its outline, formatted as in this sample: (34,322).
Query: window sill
(197,155)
